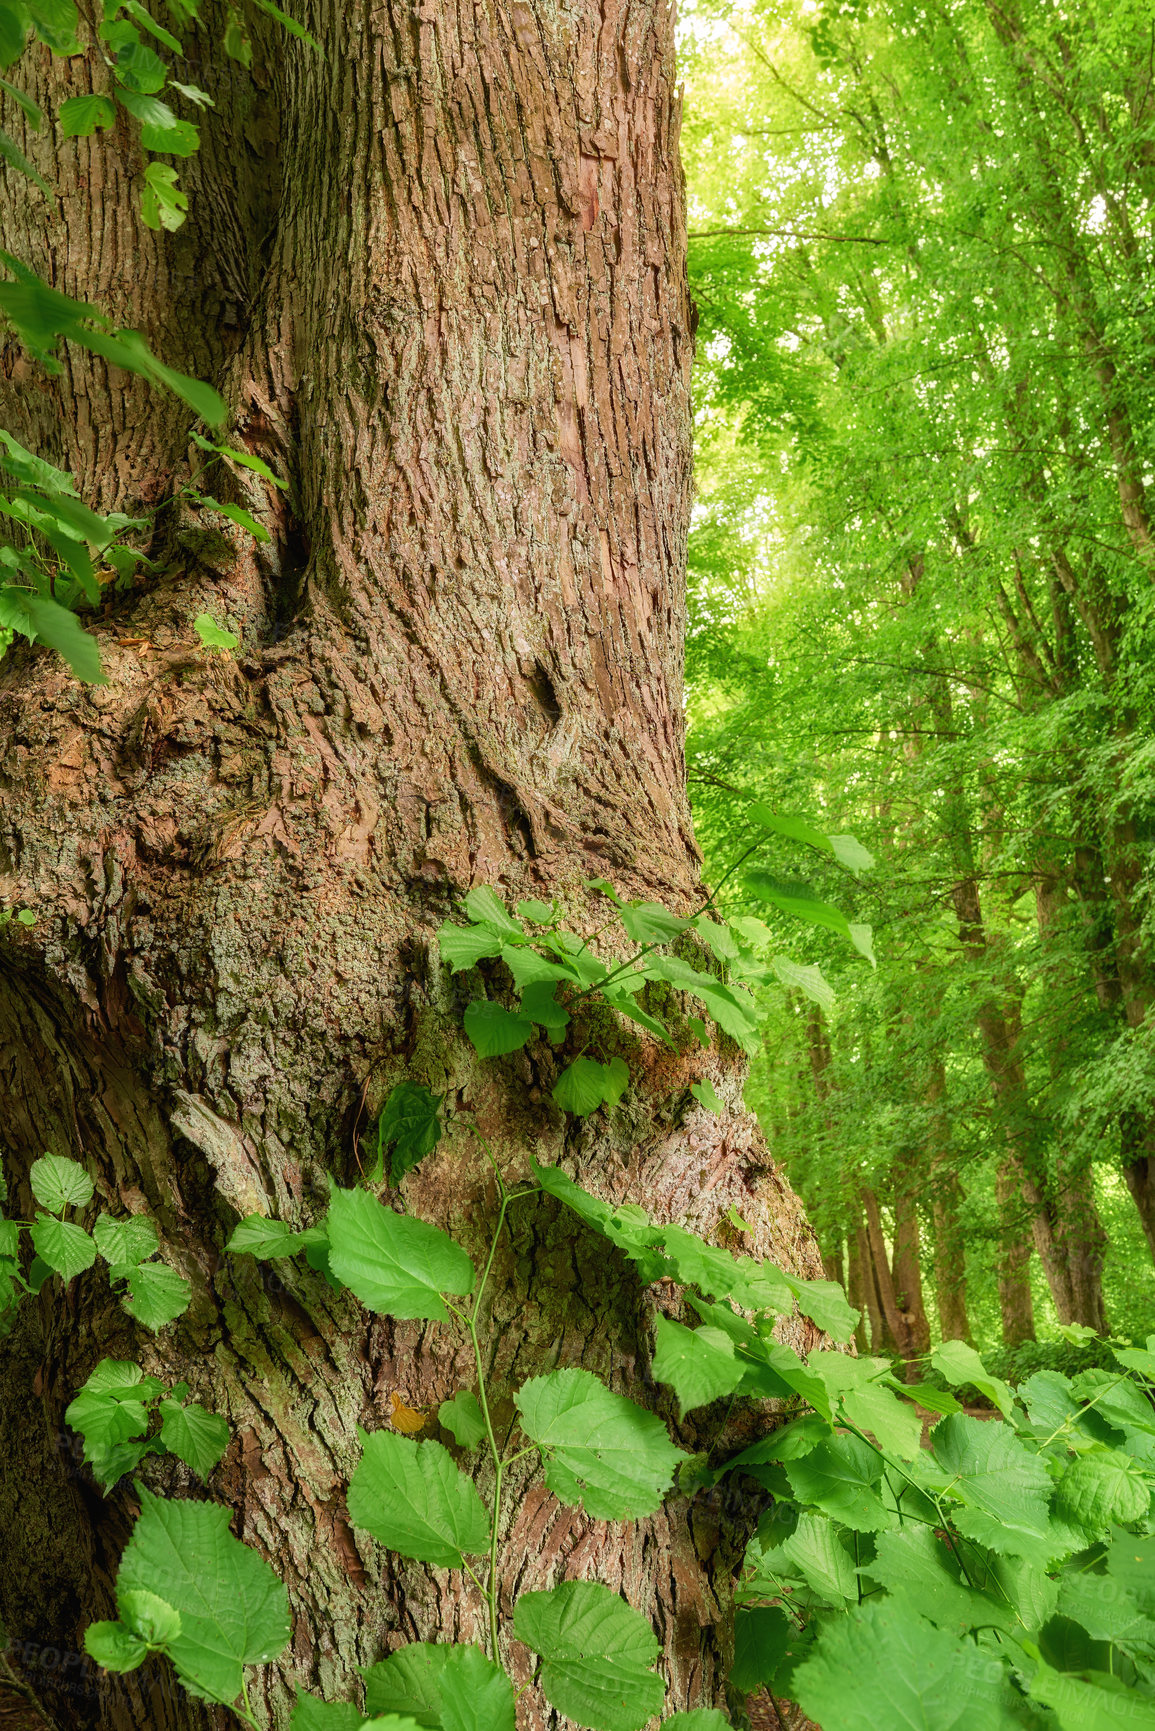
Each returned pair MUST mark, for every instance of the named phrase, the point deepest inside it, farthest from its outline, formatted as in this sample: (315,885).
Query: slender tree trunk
(908,1276)
(1016,1304)
(861,1289)
(946,1198)
(461,663)
(890,1337)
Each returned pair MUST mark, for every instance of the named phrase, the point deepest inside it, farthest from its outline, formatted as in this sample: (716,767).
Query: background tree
(437,271)
(921,242)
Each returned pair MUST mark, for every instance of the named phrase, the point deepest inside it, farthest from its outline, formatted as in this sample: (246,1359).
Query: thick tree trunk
(461,664)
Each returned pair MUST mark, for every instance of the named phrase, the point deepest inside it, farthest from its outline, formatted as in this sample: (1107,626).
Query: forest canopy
(921,574)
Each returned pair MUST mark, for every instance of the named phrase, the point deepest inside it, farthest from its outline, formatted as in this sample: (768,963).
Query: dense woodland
(921,573)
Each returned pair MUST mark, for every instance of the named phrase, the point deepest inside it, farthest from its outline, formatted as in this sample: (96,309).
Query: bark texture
(451,255)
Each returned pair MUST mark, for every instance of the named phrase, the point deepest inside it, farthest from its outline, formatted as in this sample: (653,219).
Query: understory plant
(913,1563)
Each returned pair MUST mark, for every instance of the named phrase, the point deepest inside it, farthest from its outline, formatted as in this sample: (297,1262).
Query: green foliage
(391,1262)
(463,1417)
(156,1295)
(599,1449)
(212,635)
(112,1412)
(223,1607)
(596,1654)
(413,1499)
(410,1126)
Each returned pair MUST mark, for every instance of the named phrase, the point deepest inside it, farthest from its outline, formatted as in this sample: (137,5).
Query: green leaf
(627,1227)
(157,1295)
(233,1609)
(149,23)
(1100,1488)
(11,152)
(619,999)
(650,922)
(848,851)
(825,1303)
(161,129)
(123,1380)
(1085,1706)
(851,1382)
(66,1248)
(58,1182)
(464,946)
(13,31)
(703,1092)
(485,908)
(475,1694)
(958,1363)
(235,41)
(407,1683)
(761,1641)
(1106,1610)
(1138,1358)
(537,913)
(539,1003)
(1006,1488)
(734,1011)
(882,1665)
(415,1500)
(494,1030)
(409,1124)
(31,110)
(129,1240)
(149,1617)
(463,1418)
(109,1427)
(788,1443)
(138,68)
(1131,1562)
(212,635)
(597,1655)
(719,1273)
(585,1085)
(698,1363)
(197,1437)
(600,1450)
(1121,1403)
(841,1476)
(809,980)
(267,1240)
(289,24)
(815,1550)
(45,621)
(114,1647)
(163,204)
(394,1264)
(310,1714)
(235,514)
(916,1567)
(800,904)
(245,458)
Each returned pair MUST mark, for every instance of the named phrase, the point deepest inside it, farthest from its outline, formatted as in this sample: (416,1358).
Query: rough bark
(461,664)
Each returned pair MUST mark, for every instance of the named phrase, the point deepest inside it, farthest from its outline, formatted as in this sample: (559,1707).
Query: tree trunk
(908,1276)
(461,664)
(1016,1304)
(950,1278)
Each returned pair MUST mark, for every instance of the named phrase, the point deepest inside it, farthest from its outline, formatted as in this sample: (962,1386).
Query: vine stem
(470,1319)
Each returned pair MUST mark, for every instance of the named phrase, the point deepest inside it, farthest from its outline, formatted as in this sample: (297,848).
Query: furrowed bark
(461,663)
